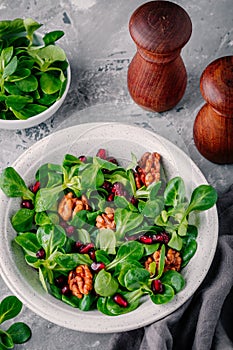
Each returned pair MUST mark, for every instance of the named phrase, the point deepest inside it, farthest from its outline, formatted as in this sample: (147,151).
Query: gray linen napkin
(205,321)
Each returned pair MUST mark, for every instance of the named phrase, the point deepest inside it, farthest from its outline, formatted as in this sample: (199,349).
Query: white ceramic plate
(120,140)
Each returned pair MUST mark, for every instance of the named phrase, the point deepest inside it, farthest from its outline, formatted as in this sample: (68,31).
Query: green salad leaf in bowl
(34,73)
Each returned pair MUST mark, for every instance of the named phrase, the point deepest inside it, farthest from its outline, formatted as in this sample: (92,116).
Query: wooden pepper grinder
(213,126)
(157,76)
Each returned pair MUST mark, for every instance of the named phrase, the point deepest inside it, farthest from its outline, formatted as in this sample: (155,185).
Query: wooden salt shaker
(157,76)
(213,126)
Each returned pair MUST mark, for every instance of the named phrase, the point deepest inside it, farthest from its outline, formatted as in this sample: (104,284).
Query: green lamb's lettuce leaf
(165,297)
(13,185)
(51,237)
(9,307)
(70,261)
(106,241)
(105,284)
(173,279)
(8,27)
(46,197)
(19,332)
(135,278)
(202,198)
(127,251)
(174,192)
(126,220)
(17,102)
(29,242)
(31,26)
(50,38)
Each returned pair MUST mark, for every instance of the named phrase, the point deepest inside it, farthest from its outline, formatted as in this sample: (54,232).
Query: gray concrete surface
(99,48)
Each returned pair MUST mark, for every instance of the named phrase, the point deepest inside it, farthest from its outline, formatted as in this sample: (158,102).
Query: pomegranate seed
(96,267)
(91,254)
(27,204)
(120,300)
(86,248)
(65,290)
(146,239)
(110,197)
(117,188)
(78,245)
(161,237)
(40,254)
(101,153)
(70,230)
(134,201)
(112,160)
(107,186)
(157,287)
(34,188)
(60,281)
(114,188)
(83,158)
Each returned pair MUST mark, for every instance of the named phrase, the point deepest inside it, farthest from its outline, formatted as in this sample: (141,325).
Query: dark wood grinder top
(217,85)
(160,27)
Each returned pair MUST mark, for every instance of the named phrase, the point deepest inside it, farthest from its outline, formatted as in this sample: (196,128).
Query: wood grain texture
(217,85)
(213,126)
(160,27)
(156,87)
(213,135)
(157,76)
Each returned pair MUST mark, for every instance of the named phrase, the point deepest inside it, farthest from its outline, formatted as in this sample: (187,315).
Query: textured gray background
(99,48)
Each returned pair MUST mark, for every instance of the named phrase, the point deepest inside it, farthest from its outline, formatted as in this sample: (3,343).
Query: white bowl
(38,118)
(120,140)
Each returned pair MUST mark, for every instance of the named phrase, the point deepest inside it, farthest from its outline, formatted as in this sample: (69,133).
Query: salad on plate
(104,236)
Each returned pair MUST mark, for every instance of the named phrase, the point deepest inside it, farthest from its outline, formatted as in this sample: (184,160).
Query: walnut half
(148,170)
(80,281)
(106,220)
(70,205)
(172,260)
